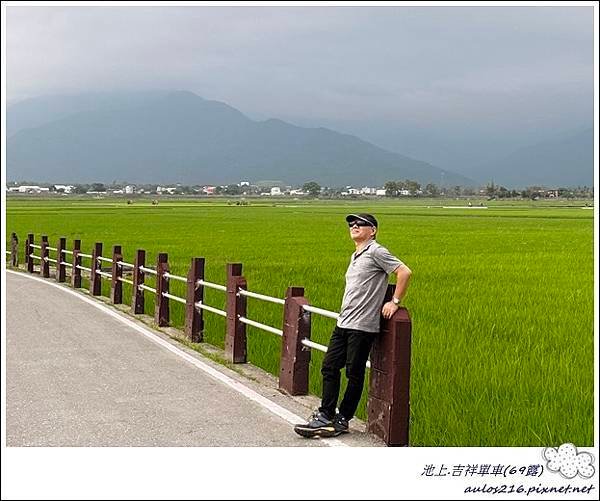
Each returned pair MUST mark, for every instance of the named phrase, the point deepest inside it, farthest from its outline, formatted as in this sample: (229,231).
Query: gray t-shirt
(366,283)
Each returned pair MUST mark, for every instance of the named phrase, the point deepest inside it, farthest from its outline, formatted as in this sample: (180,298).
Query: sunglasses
(358,223)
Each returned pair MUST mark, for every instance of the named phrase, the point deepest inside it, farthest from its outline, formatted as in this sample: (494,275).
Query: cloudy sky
(425,81)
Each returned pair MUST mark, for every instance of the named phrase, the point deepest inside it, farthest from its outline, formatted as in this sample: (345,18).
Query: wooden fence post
(388,405)
(45,264)
(137,299)
(28,252)
(14,250)
(116,286)
(194,321)
(61,269)
(295,357)
(161,307)
(76,272)
(95,277)
(235,338)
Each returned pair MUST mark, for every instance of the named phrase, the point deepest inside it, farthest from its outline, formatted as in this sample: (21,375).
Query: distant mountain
(38,111)
(561,162)
(180,137)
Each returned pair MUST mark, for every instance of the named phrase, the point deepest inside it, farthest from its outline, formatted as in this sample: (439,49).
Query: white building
(66,188)
(30,189)
(380,193)
(275,191)
(129,189)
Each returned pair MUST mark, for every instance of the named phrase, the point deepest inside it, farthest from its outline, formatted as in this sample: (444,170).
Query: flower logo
(568,462)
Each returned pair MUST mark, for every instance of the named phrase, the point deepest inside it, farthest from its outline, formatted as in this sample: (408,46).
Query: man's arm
(403,274)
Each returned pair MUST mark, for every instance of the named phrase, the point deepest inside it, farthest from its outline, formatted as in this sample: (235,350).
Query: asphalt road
(76,376)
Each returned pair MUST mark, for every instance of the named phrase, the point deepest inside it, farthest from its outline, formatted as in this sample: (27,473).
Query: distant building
(275,191)
(29,189)
(129,189)
(381,193)
(66,188)
(209,190)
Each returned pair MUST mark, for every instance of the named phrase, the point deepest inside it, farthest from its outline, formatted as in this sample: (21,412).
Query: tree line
(393,189)
(491,191)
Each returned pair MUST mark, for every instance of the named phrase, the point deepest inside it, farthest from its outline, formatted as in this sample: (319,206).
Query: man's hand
(389,309)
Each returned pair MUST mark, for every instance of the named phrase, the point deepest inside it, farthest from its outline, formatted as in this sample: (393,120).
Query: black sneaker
(340,424)
(319,425)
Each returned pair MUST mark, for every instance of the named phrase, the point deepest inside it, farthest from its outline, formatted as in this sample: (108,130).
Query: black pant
(351,348)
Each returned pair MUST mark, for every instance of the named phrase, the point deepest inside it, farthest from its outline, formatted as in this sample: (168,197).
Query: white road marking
(276,409)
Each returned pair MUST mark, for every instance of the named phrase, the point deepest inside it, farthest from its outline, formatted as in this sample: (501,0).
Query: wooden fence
(388,404)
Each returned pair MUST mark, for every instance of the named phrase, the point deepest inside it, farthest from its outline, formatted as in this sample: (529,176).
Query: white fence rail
(212,286)
(321,311)
(271,299)
(203,306)
(258,325)
(174,277)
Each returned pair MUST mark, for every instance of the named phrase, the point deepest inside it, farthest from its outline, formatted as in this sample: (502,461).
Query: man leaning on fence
(358,324)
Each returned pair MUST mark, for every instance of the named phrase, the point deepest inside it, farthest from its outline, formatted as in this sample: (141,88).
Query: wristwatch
(395,300)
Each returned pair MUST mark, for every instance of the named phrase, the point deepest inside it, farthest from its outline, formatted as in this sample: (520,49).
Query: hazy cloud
(409,65)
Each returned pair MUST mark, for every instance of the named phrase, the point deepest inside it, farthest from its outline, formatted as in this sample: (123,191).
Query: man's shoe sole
(315,432)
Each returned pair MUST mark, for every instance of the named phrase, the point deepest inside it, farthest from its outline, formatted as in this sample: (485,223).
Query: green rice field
(501,298)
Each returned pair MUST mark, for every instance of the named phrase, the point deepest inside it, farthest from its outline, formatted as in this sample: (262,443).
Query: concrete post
(61,269)
(235,338)
(137,299)
(194,321)
(45,254)
(28,252)
(388,405)
(116,286)
(95,277)
(161,308)
(295,357)
(76,274)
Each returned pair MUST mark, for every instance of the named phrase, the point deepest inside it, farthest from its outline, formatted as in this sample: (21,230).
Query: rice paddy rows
(501,299)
